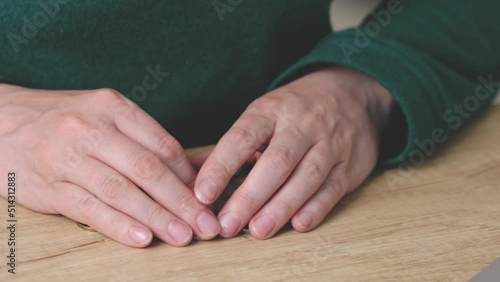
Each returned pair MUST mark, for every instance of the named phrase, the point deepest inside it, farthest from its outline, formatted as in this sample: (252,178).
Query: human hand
(321,133)
(97,158)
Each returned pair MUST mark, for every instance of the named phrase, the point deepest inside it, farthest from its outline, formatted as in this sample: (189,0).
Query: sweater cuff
(398,68)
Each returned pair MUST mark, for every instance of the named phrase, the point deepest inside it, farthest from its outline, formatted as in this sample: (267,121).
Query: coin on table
(85,227)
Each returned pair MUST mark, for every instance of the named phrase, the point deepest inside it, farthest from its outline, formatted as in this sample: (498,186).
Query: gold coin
(85,227)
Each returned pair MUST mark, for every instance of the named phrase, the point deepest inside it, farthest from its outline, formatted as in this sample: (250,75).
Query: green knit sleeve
(439,59)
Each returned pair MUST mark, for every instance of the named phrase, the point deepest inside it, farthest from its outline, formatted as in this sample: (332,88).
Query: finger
(129,118)
(269,173)
(254,158)
(147,171)
(238,145)
(121,194)
(197,160)
(81,206)
(322,202)
(300,186)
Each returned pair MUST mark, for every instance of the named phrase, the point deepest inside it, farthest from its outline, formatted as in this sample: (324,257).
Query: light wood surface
(442,223)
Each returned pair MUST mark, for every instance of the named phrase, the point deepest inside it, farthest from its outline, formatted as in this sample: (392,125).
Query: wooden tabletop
(440,223)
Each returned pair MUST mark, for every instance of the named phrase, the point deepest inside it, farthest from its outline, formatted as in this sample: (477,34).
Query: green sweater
(195,65)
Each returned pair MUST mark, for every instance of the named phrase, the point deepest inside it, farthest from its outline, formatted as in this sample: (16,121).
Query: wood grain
(441,223)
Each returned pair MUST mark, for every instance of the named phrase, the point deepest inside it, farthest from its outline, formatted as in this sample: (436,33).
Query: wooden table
(442,223)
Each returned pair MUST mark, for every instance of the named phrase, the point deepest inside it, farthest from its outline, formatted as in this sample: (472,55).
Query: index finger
(234,149)
(136,124)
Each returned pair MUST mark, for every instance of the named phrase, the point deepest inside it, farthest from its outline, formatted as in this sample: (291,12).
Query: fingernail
(208,224)
(206,192)
(180,232)
(305,220)
(139,235)
(229,225)
(264,225)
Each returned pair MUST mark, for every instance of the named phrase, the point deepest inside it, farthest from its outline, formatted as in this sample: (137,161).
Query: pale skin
(321,133)
(97,158)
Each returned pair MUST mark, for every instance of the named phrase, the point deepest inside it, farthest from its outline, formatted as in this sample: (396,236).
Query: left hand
(322,134)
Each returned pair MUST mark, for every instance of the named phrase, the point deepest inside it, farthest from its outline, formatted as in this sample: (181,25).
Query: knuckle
(114,220)
(169,147)
(248,201)
(266,104)
(242,137)
(115,103)
(334,192)
(320,207)
(147,166)
(220,173)
(153,213)
(337,188)
(300,133)
(285,207)
(279,158)
(291,108)
(114,188)
(316,116)
(320,111)
(88,207)
(334,101)
(107,94)
(314,172)
(186,204)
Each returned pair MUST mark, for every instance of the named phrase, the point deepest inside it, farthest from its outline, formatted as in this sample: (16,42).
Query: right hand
(97,158)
